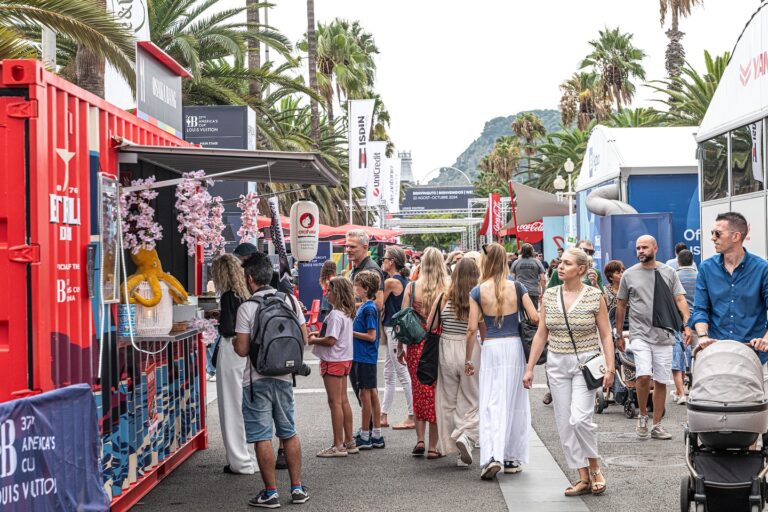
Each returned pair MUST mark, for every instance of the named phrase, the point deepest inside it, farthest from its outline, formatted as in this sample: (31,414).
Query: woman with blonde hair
(574,325)
(229,281)
(457,394)
(432,281)
(505,413)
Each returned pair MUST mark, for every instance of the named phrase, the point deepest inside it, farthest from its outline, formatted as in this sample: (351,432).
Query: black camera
(305,370)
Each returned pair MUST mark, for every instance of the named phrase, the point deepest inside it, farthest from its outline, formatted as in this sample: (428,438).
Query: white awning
(261,166)
(533,204)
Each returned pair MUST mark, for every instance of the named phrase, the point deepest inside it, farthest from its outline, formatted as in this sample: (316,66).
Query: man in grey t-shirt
(529,271)
(651,346)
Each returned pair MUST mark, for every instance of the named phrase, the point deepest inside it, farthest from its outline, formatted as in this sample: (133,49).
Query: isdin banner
(360,118)
(377,186)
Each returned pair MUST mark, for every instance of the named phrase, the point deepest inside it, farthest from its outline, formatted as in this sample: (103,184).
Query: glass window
(714,161)
(747,159)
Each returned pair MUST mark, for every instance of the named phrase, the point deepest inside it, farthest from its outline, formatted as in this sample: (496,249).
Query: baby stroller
(727,412)
(623,392)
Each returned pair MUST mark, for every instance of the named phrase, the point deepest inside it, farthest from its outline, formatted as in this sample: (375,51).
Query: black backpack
(277,342)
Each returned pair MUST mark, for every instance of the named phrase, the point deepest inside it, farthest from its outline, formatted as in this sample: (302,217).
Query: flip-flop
(418,450)
(403,426)
(384,425)
(585,490)
(433,454)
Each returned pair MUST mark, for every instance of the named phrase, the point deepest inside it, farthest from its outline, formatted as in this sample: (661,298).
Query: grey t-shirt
(636,287)
(528,271)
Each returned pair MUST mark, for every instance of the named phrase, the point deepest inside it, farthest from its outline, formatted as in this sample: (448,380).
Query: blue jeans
(681,355)
(209,367)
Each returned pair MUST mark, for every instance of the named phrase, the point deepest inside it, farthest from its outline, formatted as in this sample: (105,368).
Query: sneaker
(490,469)
(300,495)
(465,449)
(280,462)
(512,466)
(658,432)
(461,464)
(642,427)
(378,442)
(351,447)
(674,395)
(262,500)
(211,378)
(332,452)
(682,400)
(361,444)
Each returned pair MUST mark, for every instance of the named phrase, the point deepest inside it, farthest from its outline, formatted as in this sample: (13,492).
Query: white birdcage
(157,320)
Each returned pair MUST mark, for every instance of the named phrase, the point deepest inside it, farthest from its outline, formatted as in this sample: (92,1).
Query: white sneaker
(682,400)
(461,464)
(211,378)
(675,396)
(465,449)
(642,427)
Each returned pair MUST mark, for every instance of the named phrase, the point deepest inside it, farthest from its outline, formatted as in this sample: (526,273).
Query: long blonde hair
(228,275)
(463,279)
(495,267)
(433,276)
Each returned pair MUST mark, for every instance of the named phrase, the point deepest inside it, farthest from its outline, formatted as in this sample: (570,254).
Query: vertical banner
(376,187)
(497,220)
(393,183)
(309,275)
(360,118)
(756,131)
(492,221)
(133,15)
(279,241)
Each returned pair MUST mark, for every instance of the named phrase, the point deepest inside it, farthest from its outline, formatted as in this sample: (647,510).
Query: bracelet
(468,362)
(610,371)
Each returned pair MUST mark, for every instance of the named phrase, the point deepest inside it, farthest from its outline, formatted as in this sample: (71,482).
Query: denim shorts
(681,357)
(272,403)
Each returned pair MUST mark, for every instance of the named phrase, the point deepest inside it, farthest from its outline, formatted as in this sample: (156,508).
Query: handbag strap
(438,316)
(568,326)
(522,315)
(413,294)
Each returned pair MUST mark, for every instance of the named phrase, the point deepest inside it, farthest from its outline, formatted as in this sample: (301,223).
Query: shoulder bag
(593,368)
(406,323)
(426,371)
(527,328)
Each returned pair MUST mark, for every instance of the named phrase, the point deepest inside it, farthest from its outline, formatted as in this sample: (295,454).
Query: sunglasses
(717,233)
(485,248)
(590,252)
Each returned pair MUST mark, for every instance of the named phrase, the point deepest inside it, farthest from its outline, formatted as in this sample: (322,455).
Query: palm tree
(83,21)
(583,100)
(675,56)
(504,159)
(254,48)
(688,96)
(635,118)
(488,182)
(312,62)
(553,153)
(617,61)
(529,127)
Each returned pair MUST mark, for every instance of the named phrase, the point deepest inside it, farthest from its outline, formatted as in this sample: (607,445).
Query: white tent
(533,204)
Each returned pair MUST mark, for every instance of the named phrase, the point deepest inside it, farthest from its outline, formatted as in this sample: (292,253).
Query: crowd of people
(476,307)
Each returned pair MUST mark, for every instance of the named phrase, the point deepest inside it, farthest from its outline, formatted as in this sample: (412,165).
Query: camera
(305,370)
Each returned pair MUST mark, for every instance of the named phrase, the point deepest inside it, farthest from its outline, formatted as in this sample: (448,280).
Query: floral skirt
(423,396)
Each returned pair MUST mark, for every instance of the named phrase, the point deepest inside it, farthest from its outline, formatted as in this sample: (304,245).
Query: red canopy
(378,234)
(265,222)
(531,233)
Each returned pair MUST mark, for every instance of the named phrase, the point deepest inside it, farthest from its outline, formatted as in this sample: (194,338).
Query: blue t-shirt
(367,318)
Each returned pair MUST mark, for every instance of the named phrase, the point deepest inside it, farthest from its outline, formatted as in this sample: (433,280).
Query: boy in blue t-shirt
(365,354)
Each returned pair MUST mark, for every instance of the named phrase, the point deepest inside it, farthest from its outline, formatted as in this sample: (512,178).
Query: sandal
(403,425)
(597,487)
(547,398)
(434,454)
(418,450)
(571,491)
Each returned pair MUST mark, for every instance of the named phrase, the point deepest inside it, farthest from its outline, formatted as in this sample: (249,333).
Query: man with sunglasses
(591,278)
(731,297)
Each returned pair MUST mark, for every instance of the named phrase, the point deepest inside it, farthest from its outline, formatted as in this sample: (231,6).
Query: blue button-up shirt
(734,305)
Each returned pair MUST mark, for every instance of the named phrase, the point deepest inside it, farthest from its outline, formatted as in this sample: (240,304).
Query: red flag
(492,221)
(514,212)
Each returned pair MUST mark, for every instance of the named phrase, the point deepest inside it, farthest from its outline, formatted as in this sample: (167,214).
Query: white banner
(393,184)
(133,15)
(378,175)
(756,131)
(360,158)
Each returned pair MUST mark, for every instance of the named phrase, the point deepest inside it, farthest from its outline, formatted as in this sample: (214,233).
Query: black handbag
(593,368)
(527,328)
(426,371)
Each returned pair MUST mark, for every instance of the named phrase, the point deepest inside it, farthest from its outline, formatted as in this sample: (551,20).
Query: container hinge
(22,109)
(24,253)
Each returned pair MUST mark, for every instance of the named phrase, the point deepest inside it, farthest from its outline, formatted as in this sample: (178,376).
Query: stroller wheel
(600,402)
(685,494)
(629,410)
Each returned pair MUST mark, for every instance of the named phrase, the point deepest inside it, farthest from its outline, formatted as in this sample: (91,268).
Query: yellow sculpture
(150,270)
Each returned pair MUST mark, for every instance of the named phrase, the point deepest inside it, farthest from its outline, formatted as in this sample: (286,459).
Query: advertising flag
(377,188)
(492,221)
(393,184)
(278,240)
(360,118)
(756,130)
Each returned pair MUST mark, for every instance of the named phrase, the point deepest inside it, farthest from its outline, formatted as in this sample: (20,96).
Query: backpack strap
(522,315)
(413,294)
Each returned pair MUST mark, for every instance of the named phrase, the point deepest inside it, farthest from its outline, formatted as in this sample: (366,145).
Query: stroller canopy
(727,372)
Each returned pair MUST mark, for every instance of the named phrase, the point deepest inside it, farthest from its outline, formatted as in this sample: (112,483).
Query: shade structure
(265,222)
(533,204)
(376,234)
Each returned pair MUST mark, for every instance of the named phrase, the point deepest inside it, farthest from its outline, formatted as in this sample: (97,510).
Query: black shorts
(363,375)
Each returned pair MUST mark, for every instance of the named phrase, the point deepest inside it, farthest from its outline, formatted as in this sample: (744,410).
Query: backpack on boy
(277,342)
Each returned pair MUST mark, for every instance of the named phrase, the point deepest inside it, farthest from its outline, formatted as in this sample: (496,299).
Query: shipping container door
(15,253)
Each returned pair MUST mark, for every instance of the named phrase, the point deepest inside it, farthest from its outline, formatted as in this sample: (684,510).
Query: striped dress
(581,317)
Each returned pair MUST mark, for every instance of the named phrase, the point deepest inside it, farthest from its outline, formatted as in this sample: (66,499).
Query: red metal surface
(165,59)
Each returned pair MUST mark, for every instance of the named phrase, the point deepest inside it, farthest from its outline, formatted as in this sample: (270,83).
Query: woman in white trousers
(574,323)
(229,281)
(505,413)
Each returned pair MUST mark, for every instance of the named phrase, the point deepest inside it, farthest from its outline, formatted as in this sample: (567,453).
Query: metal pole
(349,171)
(570,210)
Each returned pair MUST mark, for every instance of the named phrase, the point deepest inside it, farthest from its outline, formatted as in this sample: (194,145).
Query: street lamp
(559,184)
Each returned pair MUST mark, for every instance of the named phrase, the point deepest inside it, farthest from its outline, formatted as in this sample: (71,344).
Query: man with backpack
(271,333)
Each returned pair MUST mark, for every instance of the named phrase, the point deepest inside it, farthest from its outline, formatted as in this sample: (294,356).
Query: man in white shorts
(652,346)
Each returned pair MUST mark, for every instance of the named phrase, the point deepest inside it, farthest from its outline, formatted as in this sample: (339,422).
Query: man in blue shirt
(732,290)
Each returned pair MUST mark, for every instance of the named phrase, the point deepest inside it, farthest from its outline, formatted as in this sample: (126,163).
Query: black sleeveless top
(394,303)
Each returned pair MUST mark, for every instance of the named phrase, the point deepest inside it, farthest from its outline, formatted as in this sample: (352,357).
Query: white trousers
(457,396)
(505,413)
(574,406)
(394,372)
(230,368)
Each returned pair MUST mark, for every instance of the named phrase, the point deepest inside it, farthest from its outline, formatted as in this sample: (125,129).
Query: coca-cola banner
(492,221)
(532,233)
(360,116)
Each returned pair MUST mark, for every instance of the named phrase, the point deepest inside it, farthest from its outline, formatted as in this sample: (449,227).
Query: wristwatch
(703,335)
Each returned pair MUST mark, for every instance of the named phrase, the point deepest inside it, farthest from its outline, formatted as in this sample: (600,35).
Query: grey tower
(406,175)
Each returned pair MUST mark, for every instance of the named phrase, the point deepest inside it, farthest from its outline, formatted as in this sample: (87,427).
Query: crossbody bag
(592,368)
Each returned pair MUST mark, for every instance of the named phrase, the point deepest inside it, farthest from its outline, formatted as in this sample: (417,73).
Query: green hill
(495,128)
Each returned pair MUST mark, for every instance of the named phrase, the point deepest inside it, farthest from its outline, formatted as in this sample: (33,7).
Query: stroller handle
(699,348)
